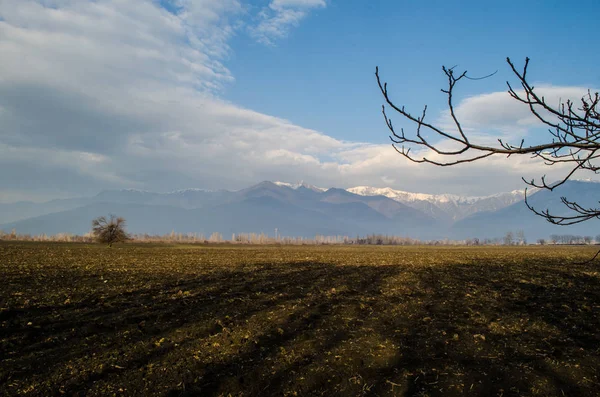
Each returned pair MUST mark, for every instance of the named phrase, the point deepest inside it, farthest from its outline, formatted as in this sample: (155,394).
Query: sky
(163,95)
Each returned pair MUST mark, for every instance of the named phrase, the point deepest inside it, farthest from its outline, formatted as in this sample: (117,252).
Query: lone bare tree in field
(574,138)
(109,231)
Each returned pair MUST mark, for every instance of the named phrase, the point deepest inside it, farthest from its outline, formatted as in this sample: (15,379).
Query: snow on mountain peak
(190,190)
(452,205)
(408,197)
(295,186)
(403,196)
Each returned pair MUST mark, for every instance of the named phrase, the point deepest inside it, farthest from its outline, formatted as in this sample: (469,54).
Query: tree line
(112,229)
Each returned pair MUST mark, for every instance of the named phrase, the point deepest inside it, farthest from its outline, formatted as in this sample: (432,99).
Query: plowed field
(295,321)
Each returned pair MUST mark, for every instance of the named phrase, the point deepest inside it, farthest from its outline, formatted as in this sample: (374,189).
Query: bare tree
(509,238)
(521,240)
(109,231)
(574,138)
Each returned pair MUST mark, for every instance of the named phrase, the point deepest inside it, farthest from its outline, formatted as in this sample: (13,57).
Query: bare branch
(574,137)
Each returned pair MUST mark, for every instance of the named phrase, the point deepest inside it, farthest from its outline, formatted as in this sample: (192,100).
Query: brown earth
(261,321)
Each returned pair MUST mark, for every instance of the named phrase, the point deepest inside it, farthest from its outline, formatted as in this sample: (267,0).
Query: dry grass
(219,320)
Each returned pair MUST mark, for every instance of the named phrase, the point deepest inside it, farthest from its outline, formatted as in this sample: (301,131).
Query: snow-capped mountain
(300,209)
(403,196)
(300,184)
(444,206)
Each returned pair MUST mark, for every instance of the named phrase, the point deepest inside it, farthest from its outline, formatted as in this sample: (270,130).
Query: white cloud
(122,93)
(497,114)
(486,118)
(280,17)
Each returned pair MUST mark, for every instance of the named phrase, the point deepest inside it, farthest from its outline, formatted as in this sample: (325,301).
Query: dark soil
(262,321)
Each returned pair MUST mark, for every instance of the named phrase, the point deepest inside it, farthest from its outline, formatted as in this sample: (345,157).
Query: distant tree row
(111,229)
(247,238)
(572,239)
(380,239)
(517,238)
(510,238)
(59,237)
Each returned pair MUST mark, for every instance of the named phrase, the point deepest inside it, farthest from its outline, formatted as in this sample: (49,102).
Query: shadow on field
(493,330)
(311,328)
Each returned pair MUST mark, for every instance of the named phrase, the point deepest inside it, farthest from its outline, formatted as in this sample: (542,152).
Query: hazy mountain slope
(373,208)
(262,214)
(389,202)
(192,198)
(24,209)
(188,198)
(518,217)
(304,210)
(140,218)
(260,208)
(381,204)
(284,193)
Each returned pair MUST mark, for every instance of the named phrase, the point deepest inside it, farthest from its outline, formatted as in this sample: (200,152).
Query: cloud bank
(120,94)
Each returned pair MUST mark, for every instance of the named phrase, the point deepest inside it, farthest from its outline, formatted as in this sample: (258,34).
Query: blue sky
(321,76)
(171,94)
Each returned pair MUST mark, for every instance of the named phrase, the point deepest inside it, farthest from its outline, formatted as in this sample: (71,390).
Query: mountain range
(305,210)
